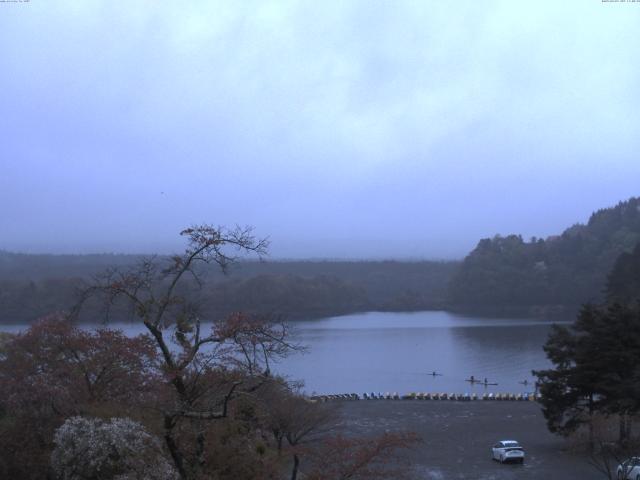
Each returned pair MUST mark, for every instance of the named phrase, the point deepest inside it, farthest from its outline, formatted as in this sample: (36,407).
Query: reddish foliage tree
(72,367)
(208,391)
(55,370)
(205,370)
(342,458)
(305,430)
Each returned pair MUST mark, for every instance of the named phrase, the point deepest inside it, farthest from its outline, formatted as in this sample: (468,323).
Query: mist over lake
(224,222)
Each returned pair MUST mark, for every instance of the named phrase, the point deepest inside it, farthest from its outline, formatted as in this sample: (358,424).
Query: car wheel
(501,459)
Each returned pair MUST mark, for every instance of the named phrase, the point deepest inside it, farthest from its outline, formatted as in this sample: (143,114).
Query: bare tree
(204,370)
(606,456)
(601,445)
(361,458)
(296,420)
(308,431)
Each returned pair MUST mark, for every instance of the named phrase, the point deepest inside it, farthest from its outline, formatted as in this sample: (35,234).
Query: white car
(508,451)
(629,469)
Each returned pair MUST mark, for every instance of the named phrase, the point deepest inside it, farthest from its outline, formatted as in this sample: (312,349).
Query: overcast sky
(367,129)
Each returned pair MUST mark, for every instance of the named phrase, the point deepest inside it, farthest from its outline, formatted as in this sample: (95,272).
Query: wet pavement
(457,438)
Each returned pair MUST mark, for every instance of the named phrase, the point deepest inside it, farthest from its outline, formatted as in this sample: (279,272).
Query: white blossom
(118,449)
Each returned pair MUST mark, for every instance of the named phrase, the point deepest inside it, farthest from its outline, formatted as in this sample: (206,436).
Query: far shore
(551,312)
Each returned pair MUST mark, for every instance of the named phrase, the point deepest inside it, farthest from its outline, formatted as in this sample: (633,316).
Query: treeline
(184,401)
(502,274)
(35,285)
(558,273)
(596,374)
(36,267)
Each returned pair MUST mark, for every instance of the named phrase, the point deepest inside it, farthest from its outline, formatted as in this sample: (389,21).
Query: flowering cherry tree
(118,449)
(55,370)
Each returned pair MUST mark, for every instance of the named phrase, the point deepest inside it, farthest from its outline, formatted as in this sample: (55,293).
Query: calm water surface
(396,352)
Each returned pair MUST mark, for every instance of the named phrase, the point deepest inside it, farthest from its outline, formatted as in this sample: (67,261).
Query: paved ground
(457,437)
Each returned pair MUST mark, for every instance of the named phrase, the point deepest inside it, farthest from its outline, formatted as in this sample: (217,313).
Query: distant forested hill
(623,283)
(558,272)
(34,285)
(501,273)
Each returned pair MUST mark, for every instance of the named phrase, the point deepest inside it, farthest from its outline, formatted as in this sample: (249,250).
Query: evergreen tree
(596,369)
(623,283)
(562,271)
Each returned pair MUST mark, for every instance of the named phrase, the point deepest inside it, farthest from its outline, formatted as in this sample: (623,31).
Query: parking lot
(457,438)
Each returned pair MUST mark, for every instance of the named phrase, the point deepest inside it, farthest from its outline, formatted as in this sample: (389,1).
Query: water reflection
(396,352)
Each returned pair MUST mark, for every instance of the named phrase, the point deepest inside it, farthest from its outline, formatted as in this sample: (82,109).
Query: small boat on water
(474,380)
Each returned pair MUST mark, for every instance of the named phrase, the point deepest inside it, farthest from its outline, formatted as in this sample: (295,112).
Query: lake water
(396,352)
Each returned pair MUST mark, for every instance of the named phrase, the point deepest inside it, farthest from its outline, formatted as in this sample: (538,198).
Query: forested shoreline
(546,276)
(35,285)
(503,275)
